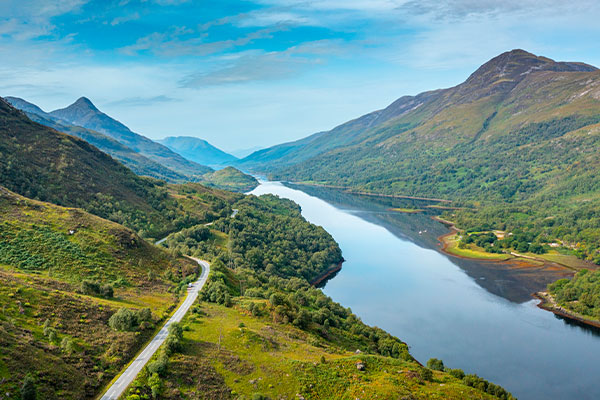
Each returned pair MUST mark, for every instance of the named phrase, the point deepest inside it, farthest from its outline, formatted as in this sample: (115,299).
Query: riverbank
(335,268)
(548,303)
(449,245)
(349,190)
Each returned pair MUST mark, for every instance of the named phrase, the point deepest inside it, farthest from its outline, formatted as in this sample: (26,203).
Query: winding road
(121,384)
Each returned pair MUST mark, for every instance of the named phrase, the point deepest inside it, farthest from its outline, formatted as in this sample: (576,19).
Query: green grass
(472,251)
(568,260)
(279,360)
(41,268)
(407,210)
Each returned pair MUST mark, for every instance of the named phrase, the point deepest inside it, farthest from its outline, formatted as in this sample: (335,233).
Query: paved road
(161,240)
(118,387)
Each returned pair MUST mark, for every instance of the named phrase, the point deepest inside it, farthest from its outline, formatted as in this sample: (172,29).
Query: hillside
(41,163)
(84,113)
(504,76)
(517,141)
(135,161)
(63,273)
(262,331)
(230,178)
(198,150)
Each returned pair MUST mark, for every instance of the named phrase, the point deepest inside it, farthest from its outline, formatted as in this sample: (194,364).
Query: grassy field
(450,245)
(567,260)
(406,210)
(230,354)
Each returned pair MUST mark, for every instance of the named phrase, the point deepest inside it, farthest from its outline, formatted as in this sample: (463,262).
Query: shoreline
(334,269)
(547,303)
(513,256)
(349,190)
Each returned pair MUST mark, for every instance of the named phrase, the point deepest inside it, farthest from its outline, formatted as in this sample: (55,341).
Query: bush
(425,374)
(435,364)
(129,320)
(94,288)
(67,346)
(155,385)
(457,373)
(28,389)
(160,365)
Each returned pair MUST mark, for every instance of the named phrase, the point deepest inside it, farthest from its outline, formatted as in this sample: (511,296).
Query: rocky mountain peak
(515,65)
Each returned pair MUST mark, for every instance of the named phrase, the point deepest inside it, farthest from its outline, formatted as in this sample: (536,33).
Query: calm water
(463,313)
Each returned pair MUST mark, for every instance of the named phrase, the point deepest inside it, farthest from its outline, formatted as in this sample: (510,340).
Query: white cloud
(25,20)
(125,18)
(178,43)
(265,66)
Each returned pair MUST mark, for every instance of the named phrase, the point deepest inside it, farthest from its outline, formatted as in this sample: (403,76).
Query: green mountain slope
(230,178)
(138,163)
(262,331)
(85,114)
(198,150)
(521,133)
(63,273)
(41,163)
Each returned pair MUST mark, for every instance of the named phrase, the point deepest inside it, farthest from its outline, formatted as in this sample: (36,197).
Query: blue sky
(245,74)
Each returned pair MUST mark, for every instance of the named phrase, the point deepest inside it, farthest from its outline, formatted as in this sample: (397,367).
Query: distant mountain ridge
(198,150)
(497,77)
(137,162)
(84,113)
(178,169)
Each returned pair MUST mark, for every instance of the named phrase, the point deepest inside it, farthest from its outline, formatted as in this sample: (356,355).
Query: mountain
(486,87)
(138,163)
(41,163)
(230,178)
(84,113)
(198,150)
(521,133)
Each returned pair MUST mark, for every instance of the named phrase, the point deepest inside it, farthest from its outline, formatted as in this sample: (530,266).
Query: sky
(248,74)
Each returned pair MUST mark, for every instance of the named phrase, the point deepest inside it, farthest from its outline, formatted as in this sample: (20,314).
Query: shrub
(435,364)
(160,365)
(28,389)
(426,374)
(155,385)
(123,320)
(129,320)
(457,373)
(94,288)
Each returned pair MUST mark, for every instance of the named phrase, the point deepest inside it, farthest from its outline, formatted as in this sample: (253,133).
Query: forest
(580,294)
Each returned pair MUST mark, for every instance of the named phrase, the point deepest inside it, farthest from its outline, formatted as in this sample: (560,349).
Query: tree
(67,346)
(28,389)
(155,385)
(123,320)
(426,374)
(160,365)
(435,364)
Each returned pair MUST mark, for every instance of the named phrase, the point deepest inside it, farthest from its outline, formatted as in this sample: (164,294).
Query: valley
(514,148)
(395,256)
(474,315)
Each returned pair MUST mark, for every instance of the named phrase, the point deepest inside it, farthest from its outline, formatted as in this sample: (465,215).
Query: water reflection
(512,281)
(474,316)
